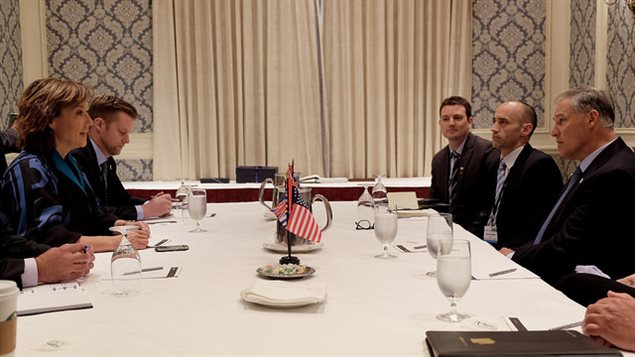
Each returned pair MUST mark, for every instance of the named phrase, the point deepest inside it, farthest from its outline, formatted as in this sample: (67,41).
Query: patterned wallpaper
(10,59)
(620,72)
(106,44)
(508,56)
(582,62)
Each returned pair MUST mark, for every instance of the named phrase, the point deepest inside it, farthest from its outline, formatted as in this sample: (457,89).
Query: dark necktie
(454,177)
(573,180)
(500,183)
(104,180)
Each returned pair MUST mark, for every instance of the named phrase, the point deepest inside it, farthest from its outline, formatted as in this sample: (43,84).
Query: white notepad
(52,297)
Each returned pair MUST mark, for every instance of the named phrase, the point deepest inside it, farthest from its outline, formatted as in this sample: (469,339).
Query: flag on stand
(280,210)
(300,220)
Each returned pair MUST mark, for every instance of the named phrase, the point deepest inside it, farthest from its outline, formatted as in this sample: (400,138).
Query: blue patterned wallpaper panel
(508,56)
(620,71)
(582,47)
(11,85)
(134,170)
(106,44)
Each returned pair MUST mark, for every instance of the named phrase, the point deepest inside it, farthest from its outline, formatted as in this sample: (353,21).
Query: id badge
(490,235)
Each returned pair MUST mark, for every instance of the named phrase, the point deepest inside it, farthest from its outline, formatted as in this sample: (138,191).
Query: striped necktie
(500,183)
(454,177)
(573,180)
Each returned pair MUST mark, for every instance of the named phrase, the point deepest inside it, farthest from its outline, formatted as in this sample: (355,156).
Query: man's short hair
(456,100)
(582,99)
(106,106)
(529,116)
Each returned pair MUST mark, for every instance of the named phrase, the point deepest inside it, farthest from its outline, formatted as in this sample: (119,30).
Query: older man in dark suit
(588,227)
(528,180)
(463,171)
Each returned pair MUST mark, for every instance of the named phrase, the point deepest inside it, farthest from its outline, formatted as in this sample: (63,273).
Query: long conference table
(335,189)
(373,307)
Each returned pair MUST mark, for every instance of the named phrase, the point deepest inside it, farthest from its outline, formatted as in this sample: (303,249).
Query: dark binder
(514,343)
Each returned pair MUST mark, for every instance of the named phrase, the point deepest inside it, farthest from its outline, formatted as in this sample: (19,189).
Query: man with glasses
(463,172)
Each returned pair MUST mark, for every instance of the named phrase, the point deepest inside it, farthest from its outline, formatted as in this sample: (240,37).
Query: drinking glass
(454,273)
(385,228)
(125,264)
(197,207)
(439,236)
(379,190)
(365,210)
(181,196)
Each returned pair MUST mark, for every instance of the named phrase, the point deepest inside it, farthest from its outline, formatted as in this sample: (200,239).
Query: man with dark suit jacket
(29,263)
(113,120)
(589,227)
(463,171)
(528,180)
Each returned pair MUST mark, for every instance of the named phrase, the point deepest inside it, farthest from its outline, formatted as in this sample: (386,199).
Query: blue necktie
(572,181)
(454,176)
(500,183)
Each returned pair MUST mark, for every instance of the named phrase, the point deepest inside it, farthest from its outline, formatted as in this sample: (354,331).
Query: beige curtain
(257,82)
(236,83)
(388,65)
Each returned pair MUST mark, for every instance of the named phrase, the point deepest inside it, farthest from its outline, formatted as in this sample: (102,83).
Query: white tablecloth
(373,307)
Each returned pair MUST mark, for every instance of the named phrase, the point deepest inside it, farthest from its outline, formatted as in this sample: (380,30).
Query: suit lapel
(466,156)
(513,176)
(597,163)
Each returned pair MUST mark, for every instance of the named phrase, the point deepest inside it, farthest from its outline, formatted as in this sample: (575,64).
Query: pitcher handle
(261,193)
(327,207)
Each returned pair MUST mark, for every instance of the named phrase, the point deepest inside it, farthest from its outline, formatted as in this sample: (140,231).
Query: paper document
(52,297)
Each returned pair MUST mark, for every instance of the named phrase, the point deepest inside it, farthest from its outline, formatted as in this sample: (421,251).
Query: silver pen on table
(502,272)
(144,270)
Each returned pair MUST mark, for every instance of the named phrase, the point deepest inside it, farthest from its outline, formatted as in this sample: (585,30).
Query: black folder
(514,343)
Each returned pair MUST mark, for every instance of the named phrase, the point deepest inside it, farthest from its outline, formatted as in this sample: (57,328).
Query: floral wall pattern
(620,72)
(106,44)
(11,85)
(582,62)
(508,56)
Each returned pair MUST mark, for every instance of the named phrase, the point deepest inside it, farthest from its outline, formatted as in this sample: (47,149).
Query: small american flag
(280,210)
(300,221)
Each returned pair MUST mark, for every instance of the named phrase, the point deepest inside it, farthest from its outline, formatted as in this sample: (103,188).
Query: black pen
(502,272)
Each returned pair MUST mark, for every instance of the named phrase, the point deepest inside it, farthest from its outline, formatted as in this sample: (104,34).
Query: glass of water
(439,236)
(125,265)
(197,207)
(385,228)
(181,196)
(454,274)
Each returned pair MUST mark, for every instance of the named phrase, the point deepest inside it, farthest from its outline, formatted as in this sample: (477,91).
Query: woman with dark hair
(46,197)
